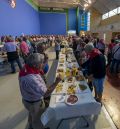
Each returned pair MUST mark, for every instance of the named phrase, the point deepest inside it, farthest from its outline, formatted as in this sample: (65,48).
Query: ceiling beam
(55,4)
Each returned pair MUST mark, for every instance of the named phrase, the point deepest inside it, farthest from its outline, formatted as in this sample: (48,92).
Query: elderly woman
(33,89)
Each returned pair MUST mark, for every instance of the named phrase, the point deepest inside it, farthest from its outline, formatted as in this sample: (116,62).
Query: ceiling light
(85,5)
(89,1)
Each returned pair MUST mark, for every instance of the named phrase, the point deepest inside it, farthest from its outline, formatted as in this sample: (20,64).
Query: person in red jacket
(97,69)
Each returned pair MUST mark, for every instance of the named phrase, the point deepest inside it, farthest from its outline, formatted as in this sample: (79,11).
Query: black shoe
(46,128)
(13,72)
(99,102)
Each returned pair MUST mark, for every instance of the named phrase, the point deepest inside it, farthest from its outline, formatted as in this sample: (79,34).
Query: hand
(58,79)
(90,78)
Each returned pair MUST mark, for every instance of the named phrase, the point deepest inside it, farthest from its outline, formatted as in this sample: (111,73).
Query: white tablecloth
(86,105)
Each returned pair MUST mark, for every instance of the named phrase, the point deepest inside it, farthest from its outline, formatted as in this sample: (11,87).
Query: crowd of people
(93,56)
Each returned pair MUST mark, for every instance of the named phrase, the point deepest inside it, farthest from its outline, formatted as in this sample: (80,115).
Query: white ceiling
(61,3)
(103,6)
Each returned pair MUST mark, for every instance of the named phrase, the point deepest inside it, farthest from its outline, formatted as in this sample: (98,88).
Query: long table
(60,110)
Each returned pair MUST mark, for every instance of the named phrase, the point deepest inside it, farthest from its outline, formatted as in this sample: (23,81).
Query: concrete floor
(14,116)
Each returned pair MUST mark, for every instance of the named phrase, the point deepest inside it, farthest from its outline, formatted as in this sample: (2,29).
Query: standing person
(97,69)
(33,89)
(74,44)
(41,50)
(57,48)
(3,40)
(24,48)
(29,45)
(12,54)
(116,59)
(110,48)
(51,40)
(101,46)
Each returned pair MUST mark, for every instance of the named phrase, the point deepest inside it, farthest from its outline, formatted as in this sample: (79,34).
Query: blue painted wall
(53,23)
(72,19)
(25,19)
(22,19)
(80,21)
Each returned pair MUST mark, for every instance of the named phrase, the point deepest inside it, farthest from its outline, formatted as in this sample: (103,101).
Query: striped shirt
(32,87)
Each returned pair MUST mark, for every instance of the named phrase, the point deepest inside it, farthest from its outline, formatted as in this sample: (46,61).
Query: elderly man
(97,68)
(33,89)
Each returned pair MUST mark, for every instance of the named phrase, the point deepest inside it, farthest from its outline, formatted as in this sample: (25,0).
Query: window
(118,9)
(111,13)
(88,24)
(104,36)
(105,16)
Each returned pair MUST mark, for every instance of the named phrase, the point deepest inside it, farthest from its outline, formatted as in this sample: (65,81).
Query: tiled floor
(14,116)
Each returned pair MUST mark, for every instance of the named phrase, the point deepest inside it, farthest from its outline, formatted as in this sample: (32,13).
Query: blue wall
(72,19)
(85,15)
(22,19)
(25,19)
(53,23)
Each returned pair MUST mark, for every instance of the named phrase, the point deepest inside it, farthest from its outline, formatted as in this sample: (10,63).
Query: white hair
(89,47)
(35,59)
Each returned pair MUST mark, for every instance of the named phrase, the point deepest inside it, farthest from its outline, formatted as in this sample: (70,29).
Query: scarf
(95,52)
(29,70)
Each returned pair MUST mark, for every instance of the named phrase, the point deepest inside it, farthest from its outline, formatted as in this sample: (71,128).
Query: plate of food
(59,88)
(62,57)
(61,61)
(80,78)
(69,60)
(73,60)
(70,79)
(61,65)
(71,99)
(82,87)
(71,89)
(60,70)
